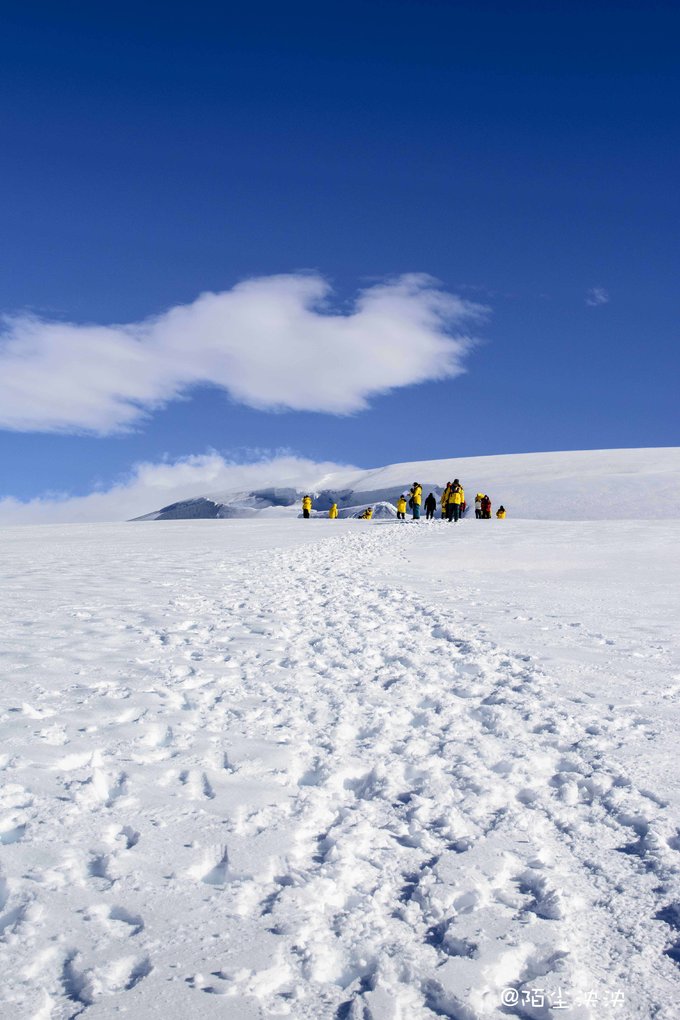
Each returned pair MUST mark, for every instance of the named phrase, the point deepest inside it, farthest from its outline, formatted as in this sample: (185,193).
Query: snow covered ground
(321,769)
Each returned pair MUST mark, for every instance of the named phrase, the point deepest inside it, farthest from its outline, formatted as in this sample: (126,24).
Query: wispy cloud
(149,486)
(273,343)
(597,296)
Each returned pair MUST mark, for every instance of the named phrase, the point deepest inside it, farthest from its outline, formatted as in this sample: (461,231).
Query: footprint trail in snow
(281,786)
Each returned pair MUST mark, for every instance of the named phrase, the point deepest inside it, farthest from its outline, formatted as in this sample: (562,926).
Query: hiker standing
(445,499)
(456,500)
(416,500)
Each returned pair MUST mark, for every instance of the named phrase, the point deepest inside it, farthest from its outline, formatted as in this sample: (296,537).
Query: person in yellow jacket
(445,499)
(500,513)
(367,514)
(306,505)
(333,512)
(454,507)
(416,499)
(401,508)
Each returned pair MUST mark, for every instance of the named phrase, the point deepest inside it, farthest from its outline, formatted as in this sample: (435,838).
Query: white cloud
(597,296)
(151,486)
(272,343)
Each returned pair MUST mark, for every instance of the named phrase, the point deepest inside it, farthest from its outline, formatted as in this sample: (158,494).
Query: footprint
(12,834)
(442,937)
(674,841)
(99,867)
(10,921)
(118,789)
(123,916)
(129,836)
(213,869)
(119,921)
(197,784)
(85,985)
(546,902)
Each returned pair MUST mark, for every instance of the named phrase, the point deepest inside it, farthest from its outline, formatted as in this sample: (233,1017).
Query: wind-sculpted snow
(340,770)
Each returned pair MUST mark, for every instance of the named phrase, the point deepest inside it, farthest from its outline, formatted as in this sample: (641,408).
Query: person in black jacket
(430,507)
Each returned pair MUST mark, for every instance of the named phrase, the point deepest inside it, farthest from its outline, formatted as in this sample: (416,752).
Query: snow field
(564,485)
(338,770)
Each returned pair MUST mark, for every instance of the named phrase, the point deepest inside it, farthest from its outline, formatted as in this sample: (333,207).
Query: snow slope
(258,769)
(586,485)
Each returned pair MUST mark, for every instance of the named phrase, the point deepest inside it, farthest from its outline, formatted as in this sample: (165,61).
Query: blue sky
(524,155)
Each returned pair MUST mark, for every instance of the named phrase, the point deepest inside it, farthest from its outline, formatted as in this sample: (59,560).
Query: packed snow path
(276,783)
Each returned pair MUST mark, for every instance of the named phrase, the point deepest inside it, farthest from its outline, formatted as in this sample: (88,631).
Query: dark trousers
(305,513)
(478,513)
(453,512)
(401,516)
(429,514)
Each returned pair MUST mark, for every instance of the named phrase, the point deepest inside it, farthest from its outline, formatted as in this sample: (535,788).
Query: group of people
(483,508)
(452,503)
(365,515)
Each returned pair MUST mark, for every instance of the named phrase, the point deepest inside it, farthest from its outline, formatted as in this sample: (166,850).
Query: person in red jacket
(486,508)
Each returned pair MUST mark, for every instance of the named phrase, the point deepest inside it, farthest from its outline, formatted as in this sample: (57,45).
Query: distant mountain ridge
(585,484)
